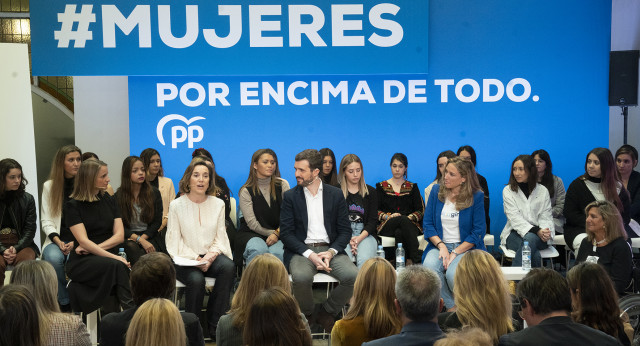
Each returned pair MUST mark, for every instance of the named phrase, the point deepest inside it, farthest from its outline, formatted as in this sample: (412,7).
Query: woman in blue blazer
(454,222)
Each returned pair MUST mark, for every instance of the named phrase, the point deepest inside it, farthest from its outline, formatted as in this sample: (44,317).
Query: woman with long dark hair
(594,300)
(17,217)
(94,267)
(400,208)
(260,201)
(329,172)
(554,185)
(141,209)
(155,176)
(55,192)
(528,209)
(600,182)
(468,153)
(453,223)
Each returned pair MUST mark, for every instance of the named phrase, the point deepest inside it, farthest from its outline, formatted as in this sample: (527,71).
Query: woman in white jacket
(528,209)
(55,192)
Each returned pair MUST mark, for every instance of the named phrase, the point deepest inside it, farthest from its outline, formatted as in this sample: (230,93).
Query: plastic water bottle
(526,256)
(399,258)
(121,253)
(380,252)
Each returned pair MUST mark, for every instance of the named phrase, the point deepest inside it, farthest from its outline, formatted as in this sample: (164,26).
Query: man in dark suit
(315,231)
(545,302)
(418,303)
(153,276)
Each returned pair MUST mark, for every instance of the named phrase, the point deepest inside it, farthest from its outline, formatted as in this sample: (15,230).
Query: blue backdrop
(559,49)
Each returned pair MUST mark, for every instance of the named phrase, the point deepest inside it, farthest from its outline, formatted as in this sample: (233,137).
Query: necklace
(599,242)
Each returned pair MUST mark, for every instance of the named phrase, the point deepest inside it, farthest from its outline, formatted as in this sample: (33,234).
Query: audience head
(264,164)
(40,278)
(156,322)
(13,179)
(202,152)
(468,153)
(308,166)
(198,168)
(399,165)
(92,178)
(604,219)
(352,172)
(466,337)
(152,163)
(441,163)
(19,320)
(153,276)
(373,298)
(459,173)
(626,159)
(523,170)
(418,293)
(264,271)
(594,300)
(90,156)
(274,319)
(329,163)
(482,295)
(542,292)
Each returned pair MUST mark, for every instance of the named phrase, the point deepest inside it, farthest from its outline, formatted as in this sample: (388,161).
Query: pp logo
(179,133)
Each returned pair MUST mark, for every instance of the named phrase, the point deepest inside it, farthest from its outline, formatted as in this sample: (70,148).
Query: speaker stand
(625,115)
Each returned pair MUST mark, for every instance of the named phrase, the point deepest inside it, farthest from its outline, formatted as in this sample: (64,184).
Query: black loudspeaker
(623,78)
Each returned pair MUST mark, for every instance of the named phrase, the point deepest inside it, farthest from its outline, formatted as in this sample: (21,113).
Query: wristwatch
(334,252)
(454,251)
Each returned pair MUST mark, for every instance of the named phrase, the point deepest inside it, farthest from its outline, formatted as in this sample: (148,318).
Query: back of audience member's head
(19,321)
(465,337)
(546,290)
(594,299)
(153,276)
(264,271)
(41,279)
(157,322)
(418,293)
(373,296)
(274,319)
(482,295)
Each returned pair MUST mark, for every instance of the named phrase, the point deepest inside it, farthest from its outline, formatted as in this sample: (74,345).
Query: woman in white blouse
(196,231)
(528,209)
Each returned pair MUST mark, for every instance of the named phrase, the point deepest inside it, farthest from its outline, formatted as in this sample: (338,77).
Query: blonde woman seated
(157,322)
(274,318)
(264,271)
(482,297)
(372,314)
(465,337)
(606,244)
(56,328)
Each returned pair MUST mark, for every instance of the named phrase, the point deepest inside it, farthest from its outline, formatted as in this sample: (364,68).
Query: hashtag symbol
(82,33)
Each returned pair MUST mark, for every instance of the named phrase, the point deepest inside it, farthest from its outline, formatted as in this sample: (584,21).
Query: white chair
(549,253)
(391,242)
(558,240)
(635,243)
(208,283)
(232,213)
(489,240)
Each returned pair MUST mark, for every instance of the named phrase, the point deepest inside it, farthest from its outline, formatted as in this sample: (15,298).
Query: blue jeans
(515,243)
(256,246)
(432,261)
(54,255)
(366,248)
